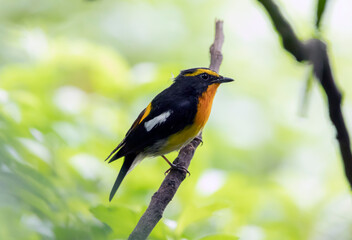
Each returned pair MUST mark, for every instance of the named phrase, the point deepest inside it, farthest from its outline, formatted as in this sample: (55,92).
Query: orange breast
(177,140)
(204,105)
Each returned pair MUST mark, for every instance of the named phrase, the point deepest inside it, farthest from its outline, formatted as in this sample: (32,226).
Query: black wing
(182,113)
(134,125)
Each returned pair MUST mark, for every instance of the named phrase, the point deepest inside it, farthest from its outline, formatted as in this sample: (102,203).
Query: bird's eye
(205,76)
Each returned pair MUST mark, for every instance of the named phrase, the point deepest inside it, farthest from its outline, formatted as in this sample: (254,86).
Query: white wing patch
(157,120)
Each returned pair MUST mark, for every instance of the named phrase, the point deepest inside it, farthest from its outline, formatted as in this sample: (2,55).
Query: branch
(172,181)
(314,51)
(215,48)
(290,42)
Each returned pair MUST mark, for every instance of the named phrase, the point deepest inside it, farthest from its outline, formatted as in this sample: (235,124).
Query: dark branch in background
(173,180)
(314,51)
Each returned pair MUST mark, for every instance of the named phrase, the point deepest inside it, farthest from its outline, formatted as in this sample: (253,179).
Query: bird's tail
(129,158)
(118,154)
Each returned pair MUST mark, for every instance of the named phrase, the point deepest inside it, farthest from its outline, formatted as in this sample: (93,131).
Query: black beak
(223,80)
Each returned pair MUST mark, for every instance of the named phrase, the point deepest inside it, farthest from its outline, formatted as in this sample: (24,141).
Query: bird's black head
(195,81)
(202,77)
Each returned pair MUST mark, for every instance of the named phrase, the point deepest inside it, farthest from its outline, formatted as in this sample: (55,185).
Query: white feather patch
(157,120)
(136,161)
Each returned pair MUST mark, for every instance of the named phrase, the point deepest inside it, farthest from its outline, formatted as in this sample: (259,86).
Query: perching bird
(173,119)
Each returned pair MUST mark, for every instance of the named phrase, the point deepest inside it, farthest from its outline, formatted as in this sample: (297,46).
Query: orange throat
(183,137)
(204,105)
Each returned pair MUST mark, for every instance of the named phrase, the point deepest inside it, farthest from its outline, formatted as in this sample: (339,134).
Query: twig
(215,48)
(172,181)
(314,51)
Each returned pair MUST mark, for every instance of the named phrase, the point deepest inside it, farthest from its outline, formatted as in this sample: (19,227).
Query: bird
(171,120)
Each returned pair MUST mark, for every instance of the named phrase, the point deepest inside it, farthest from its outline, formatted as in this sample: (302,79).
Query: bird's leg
(174,166)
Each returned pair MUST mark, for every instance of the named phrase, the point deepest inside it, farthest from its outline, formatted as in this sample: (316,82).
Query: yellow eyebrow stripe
(200,71)
(147,111)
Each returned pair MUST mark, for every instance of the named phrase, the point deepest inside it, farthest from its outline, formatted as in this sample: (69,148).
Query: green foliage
(75,74)
(320,11)
(219,237)
(120,219)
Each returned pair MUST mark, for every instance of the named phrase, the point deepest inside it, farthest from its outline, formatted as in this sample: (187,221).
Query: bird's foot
(199,139)
(178,168)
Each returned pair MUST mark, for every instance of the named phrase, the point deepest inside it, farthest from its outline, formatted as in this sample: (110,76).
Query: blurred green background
(75,74)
